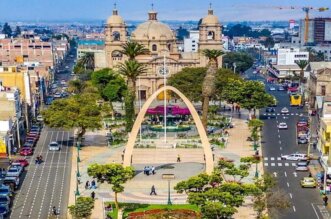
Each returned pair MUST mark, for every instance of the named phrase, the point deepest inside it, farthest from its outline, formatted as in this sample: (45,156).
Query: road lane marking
(279,158)
(291,195)
(288,185)
(275,174)
(278,136)
(285,174)
(41,177)
(293,164)
(294,208)
(295,174)
(280,142)
(33,176)
(266,164)
(265,158)
(272,158)
(315,211)
(280,148)
(280,164)
(64,175)
(287,164)
(272,164)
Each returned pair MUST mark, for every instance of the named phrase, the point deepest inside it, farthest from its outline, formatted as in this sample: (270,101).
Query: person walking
(93,195)
(153,170)
(93,184)
(87,184)
(153,191)
(54,210)
(325,200)
(178,158)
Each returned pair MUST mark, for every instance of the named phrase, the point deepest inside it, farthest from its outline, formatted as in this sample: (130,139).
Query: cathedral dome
(153,30)
(210,19)
(115,18)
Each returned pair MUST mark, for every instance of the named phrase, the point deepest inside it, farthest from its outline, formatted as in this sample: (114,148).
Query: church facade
(161,41)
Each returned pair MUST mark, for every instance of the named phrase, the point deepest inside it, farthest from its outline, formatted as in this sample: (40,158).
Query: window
(323,90)
(116,55)
(116,36)
(169,47)
(154,47)
(211,35)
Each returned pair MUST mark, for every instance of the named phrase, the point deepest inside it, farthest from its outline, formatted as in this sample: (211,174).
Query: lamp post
(168,177)
(78,159)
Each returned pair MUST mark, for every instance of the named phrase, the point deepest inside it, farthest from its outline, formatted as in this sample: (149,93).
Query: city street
(305,203)
(45,185)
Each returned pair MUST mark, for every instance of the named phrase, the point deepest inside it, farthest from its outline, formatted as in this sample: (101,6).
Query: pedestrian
(87,184)
(178,158)
(325,200)
(54,210)
(15,150)
(153,191)
(93,195)
(93,184)
(145,170)
(153,170)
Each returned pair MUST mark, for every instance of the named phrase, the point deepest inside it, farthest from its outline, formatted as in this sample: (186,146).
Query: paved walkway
(137,190)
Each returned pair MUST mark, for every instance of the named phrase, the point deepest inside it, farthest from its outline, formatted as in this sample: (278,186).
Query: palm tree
(87,61)
(302,64)
(133,49)
(131,69)
(208,85)
(320,57)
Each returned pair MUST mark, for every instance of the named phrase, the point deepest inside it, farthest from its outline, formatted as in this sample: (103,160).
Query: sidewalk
(137,190)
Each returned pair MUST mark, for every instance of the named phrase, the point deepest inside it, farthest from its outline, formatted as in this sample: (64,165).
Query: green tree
(242,60)
(76,86)
(78,111)
(131,70)
(320,56)
(82,208)
(111,86)
(255,126)
(208,84)
(79,68)
(216,196)
(302,64)
(87,61)
(7,30)
(17,31)
(269,42)
(133,49)
(113,174)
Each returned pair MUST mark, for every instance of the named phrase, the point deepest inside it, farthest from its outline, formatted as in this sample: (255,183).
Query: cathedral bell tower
(116,36)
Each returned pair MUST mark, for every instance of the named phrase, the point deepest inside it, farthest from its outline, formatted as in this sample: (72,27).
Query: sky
(227,10)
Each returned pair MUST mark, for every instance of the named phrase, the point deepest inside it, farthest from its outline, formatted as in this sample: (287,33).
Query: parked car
(302,140)
(57,95)
(295,157)
(12,181)
(23,162)
(281,88)
(4,211)
(308,182)
(26,151)
(5,201)
(302,166)
(272,88)
(14,171)
(5,190)
(54,146)
(270,110)
(40,118)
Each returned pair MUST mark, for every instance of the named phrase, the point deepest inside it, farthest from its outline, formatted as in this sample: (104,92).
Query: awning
(319,101)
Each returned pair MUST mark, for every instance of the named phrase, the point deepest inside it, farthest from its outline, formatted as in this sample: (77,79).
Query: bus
(295,99)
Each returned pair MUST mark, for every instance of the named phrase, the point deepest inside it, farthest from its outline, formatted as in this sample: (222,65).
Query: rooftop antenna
(115,6)
(210,5)
(152,6)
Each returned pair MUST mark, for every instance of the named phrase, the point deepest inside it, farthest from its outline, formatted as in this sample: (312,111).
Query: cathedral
(161,41)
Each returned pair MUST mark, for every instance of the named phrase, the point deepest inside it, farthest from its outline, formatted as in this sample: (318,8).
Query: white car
(67,67)
(40,118)
(295,157)
(272,88)
(282,125)
(254,72)
(54,146)
(63,82)
(284,110)
(57,95)
(302,166)
(14,171)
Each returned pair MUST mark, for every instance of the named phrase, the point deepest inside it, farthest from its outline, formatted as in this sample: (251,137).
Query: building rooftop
(91,42)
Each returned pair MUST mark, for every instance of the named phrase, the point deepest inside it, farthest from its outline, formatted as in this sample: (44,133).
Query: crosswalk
(281,114)
(277,162)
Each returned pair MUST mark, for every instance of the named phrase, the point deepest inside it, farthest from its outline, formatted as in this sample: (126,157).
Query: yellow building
(160,39)
(325,135)
(11,77)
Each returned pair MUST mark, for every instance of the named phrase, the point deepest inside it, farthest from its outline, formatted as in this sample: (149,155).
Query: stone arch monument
(202,133)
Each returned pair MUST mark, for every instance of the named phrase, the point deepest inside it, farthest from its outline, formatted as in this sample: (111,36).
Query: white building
(290,56)
(191,43)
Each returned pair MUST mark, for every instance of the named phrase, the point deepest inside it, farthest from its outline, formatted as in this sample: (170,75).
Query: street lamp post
(168,177)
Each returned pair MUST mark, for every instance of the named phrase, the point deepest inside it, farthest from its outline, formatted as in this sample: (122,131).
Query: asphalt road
(46,185)
(305,203)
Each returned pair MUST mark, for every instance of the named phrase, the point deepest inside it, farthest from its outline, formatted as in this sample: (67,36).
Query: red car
(22,162)
(27,151)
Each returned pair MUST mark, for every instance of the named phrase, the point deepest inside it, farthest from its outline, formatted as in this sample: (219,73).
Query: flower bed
(164,213)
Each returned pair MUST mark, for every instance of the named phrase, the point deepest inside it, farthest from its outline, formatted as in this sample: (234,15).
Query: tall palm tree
(302,64)
(87,61)
(320,57)
(133,49)
(131,69)
(208,85)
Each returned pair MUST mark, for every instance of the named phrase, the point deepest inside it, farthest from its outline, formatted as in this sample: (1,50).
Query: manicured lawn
(132,207)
